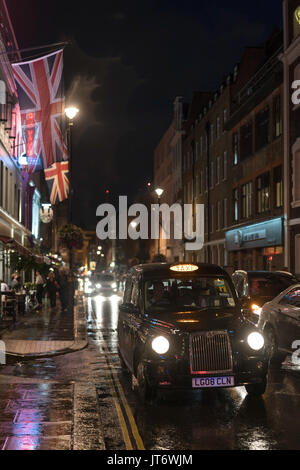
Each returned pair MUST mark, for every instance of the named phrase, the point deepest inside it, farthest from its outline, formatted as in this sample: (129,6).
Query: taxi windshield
(186,294)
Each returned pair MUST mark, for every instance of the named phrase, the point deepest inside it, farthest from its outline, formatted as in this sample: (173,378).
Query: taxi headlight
(98,286)
(256,309)
(160,345)
(256,341)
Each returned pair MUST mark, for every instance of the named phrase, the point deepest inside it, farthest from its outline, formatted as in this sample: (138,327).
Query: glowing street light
(71,112)
(159,192)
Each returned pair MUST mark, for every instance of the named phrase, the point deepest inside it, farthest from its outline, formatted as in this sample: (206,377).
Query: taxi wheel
(145,391)
(256,390)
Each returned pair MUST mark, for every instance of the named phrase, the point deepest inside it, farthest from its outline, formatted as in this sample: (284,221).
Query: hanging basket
(71,236)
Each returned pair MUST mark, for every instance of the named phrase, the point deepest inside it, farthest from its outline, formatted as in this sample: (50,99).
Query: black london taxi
(181,327)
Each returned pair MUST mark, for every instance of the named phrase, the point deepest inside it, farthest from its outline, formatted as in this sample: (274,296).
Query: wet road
(85,401)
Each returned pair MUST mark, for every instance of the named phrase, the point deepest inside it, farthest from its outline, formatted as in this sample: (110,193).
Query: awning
(14,245)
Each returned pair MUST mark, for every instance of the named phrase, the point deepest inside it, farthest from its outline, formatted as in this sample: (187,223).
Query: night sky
(128,61)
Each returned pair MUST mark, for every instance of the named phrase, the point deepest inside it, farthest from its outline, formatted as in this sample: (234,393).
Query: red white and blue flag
(41,98)
(58,182)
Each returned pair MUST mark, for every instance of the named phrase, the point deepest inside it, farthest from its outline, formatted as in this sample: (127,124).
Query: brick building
(291,63)
(255,237)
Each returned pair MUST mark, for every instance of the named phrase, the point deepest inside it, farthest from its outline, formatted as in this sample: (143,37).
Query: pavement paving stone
(49,331)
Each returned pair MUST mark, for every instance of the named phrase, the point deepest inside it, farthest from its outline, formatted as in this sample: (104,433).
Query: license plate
(212,382)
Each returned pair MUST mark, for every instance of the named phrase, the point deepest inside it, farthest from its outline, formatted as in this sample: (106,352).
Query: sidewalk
(49,332)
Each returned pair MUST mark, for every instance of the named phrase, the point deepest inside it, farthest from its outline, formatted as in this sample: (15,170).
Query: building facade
(255,239)
(14,234)
(291,64)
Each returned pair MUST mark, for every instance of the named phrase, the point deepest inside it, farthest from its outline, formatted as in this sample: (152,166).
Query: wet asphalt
(79,400)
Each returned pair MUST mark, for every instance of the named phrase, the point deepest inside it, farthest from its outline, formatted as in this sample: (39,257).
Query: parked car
(180,327)
(255,288)
(104,284)
(280,321)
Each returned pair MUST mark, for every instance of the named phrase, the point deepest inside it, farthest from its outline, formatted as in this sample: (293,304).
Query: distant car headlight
(256,309)
(114,285)
(256,341)
(98,286)
(160,345)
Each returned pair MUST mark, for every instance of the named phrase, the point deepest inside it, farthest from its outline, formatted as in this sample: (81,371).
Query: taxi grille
(210,352)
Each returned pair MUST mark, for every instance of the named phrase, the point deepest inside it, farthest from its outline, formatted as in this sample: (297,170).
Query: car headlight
(98,286)
(256,341)
(256,309)
(114,285)
(160,345)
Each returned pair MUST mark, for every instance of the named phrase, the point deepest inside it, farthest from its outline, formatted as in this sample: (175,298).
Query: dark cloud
(128,62)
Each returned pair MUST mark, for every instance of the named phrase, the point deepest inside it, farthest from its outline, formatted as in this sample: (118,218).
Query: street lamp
(159,193)
(71,113)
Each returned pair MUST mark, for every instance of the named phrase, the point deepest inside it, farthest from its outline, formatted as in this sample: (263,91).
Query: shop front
(257,246)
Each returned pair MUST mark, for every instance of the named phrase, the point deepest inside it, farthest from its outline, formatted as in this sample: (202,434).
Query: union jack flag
(58,182)
(40,93)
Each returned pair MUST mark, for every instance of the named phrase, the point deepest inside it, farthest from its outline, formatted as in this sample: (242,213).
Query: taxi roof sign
(184,268)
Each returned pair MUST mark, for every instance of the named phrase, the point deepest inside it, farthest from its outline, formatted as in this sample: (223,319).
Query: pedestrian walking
(15,282)
(52,288)
(63,290)
(39,282)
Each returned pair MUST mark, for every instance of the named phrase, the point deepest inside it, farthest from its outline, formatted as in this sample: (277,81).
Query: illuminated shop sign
(263,234)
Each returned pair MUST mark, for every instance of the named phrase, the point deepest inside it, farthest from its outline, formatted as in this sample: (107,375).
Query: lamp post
(159,193)
(71,113)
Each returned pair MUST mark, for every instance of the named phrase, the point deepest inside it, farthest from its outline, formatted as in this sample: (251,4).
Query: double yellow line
(131,435)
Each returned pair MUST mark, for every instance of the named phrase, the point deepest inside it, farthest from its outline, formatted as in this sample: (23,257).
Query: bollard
(2,353)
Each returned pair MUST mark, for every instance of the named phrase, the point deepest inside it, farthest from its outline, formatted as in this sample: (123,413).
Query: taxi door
(124,322)
(288,319)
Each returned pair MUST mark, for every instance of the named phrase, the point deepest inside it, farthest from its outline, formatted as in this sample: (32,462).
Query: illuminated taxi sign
(184,268)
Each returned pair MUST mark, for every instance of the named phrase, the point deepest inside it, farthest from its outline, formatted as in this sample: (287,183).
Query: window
(263,193)
(278,185)
(247,200)
(236,205)
(219,215)
(135,294)
(225,166)
(278,121)
(225,218)
(235,148)
(201,182)
(197,150)
(212,218)
(262,128)
(128,290)
(211,175)
(292,298)
(201,147)
(246,140)
(218,170)
(224,118)
(218,127)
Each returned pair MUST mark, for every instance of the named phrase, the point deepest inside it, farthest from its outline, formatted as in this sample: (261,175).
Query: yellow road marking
(122,421)
(134,428)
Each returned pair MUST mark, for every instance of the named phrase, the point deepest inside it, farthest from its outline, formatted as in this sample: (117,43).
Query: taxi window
(188,294)
(128,291)
(292,298)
